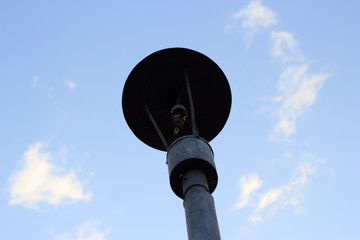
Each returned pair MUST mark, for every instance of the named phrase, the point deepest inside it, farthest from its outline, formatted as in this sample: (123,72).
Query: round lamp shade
(158,83)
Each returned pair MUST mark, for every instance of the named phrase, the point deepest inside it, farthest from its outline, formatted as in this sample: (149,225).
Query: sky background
(287,159)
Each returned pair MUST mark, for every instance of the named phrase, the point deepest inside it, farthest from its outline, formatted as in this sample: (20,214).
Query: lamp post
(177,100)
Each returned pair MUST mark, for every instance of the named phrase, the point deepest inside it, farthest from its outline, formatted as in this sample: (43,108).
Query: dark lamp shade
(158,82)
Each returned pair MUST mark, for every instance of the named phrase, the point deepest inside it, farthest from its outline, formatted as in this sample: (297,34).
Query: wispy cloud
(256,219)
(87,231)
(288,194)
(69,84)
(270,197)
(253,18)
(297,86)
(40,181)
(285,47)
(248,185)
(298,90)
(276,198)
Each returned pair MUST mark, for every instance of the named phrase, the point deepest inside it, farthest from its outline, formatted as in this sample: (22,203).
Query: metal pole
(201,220)
(193,177)
(190,158)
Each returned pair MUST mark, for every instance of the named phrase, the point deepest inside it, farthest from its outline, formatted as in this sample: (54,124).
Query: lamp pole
(191,166)
(200,212)
(161,98)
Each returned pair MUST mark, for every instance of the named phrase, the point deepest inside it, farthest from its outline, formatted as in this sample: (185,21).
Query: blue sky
(287,159)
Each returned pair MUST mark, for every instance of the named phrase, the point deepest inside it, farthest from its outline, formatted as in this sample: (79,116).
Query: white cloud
(87,231)
(271,196)
(290,80)
(285,47)
(40,181)
(248,186)
(253,17)
(256,219)
(288,194)
(69,84)
(298,91)
(297,87)
(276,198)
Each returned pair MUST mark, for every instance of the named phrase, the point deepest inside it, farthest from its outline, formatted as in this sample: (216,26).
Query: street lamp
(177,100)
